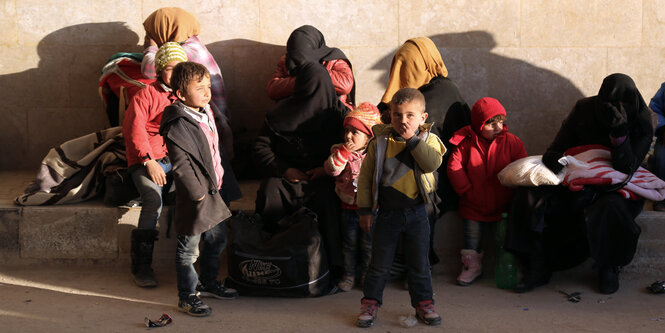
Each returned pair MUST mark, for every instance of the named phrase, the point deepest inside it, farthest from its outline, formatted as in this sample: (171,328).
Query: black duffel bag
(288,262)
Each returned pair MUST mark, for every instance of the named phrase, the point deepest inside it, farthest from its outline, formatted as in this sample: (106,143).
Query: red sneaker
(427,314)
(368,310)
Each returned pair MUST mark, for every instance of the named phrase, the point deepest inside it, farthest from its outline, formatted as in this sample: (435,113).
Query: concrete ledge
(93,233)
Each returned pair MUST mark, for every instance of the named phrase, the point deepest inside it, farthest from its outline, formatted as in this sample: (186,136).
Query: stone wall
(536,56)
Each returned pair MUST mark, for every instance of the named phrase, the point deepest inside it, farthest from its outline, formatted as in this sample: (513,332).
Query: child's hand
(366,222)
(294,175)
(156,172)
(316,173)
(352,146)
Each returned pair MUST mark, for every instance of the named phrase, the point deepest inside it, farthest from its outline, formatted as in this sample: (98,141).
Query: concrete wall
(536,56)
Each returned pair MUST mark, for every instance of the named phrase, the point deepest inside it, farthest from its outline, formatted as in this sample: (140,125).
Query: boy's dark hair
(185,72)
(497,118)
(407,95)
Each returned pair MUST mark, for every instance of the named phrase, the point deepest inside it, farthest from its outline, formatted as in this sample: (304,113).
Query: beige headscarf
(414,64)
(171,24)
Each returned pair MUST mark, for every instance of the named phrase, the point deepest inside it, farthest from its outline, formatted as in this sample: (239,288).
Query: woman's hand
(156,172)
(294,175)
(316,173)
(366,222)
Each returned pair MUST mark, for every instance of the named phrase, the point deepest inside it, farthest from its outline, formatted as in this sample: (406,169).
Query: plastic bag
(529,171)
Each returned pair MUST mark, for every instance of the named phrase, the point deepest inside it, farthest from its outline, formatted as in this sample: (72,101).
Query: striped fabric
(592,165)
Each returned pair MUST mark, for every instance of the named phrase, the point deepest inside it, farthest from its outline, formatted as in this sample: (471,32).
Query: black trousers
(278,197)
(567,227)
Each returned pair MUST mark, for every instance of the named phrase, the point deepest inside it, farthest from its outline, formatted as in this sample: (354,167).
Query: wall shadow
(536,99)
(247,66)
(57,100)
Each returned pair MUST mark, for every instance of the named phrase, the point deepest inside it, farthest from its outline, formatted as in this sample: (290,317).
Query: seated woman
(290,150)
(307,44)
(174,24)
(552,228)
(418,64)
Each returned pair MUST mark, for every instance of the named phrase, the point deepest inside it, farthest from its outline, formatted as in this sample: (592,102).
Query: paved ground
(104,299)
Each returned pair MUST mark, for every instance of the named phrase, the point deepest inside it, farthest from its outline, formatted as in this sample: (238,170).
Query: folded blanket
(74,171)
(592,165)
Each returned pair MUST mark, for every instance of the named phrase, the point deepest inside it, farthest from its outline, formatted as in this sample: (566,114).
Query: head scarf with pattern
(171,24)
(414,64)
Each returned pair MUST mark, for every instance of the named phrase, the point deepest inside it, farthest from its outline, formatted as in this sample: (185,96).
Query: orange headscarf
(171,24)
(414,64)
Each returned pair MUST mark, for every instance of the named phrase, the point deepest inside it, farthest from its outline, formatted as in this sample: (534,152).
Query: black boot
(539,274)
(608,279)
(143,241)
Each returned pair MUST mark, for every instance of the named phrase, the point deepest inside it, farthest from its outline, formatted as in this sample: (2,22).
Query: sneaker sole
(364,324)
(205,314)
(429,322)
(207,294)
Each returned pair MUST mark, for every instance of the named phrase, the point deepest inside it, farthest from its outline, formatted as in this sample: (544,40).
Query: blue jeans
(413,224)
(151,193)
(659,159)
(356,244)
(187,251)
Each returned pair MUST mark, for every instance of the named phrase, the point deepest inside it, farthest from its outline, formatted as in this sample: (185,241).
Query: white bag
(529,171)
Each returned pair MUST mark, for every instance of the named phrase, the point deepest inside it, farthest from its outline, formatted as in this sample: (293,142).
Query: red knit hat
(484,109)
(363,118)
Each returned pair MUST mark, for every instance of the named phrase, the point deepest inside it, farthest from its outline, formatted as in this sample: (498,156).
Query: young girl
(344,164)
(482,150)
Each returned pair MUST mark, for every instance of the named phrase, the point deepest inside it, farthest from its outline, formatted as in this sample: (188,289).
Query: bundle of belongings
(287,260)
(584,165)
(78,169)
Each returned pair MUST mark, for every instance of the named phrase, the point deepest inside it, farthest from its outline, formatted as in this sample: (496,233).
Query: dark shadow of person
(58,100)
(246,66)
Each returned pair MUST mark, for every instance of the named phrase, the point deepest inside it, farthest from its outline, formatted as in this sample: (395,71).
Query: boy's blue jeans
(659,159)
(187,251)
(151,193)
(356,244)
(390,224)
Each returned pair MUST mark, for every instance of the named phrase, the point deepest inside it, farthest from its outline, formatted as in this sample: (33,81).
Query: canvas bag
(288,263)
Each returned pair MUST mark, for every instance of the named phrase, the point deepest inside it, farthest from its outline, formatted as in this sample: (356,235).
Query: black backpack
(290,262)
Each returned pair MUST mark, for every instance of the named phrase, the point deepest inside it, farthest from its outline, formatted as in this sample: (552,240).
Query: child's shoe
(427,314)
(346,283)
(368,310)
(472,267)
(193,306)
(216,290)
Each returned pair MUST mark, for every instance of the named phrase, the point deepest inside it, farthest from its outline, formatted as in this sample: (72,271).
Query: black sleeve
(265,159)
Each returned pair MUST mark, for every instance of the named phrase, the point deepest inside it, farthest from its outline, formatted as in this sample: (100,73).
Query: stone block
(538,87)
(37,25)
(12,129)
(467,68)
(9,224)
(69,232)
(645,65)
(8,23)
(220,20)
(344,23)
(460,23)
(571,23)
(653,23)
(164,249)
(371,68)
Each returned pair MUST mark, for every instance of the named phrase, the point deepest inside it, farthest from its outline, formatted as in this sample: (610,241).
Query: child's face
(197,94)
(355,139)
(407,117)
(166,72)
(492,130)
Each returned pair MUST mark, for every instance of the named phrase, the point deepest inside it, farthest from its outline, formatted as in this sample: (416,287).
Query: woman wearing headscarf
(307,44)
(290,150)
(418,64)
(174,24)
(553,228)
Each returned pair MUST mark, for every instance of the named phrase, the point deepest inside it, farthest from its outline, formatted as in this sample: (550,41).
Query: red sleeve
(341,75)
(518,150)
(134,125)
(281,84)
(456,171)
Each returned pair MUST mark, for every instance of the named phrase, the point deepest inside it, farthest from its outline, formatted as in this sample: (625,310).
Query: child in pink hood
(344,164)
(482,150)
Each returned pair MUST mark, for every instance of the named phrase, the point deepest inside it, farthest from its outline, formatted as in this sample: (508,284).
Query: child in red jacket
(482,150)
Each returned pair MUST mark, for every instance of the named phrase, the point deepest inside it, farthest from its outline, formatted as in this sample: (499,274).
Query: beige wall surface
(536,56)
